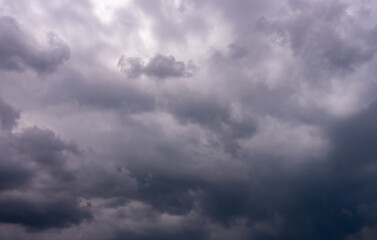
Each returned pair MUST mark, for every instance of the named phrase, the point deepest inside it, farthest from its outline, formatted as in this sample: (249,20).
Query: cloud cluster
(37,187)
(274,137)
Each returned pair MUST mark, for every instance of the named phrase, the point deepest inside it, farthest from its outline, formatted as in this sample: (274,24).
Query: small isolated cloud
(159,66)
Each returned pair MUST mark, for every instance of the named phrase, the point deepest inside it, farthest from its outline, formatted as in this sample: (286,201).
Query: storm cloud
(188,119)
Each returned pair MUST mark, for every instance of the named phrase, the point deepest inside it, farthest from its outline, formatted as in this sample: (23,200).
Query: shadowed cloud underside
(188,119)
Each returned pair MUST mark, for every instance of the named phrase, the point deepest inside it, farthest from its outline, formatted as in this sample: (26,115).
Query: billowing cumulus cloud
(159,66)
(36,190)
(188,119)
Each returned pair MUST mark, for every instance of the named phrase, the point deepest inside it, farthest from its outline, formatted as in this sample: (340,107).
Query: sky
(188,119)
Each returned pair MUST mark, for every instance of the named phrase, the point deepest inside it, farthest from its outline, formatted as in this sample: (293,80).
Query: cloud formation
(159,67)
(8,115)
(248,120)
(36,189)
(19,50)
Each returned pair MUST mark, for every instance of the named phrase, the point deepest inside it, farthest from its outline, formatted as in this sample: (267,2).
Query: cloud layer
(188,120)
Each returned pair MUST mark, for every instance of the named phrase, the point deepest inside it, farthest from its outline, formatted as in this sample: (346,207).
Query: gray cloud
(325,37)
(42,215)
(33,163)
(18,50)
(211,114)
(102,92)
(274,137)
(159,66)
(159,235)
(8,115)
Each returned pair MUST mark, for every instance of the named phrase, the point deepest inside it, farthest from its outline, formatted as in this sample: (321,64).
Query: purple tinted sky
(188,119)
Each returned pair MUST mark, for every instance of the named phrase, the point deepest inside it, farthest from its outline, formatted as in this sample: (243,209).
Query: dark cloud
(12,175)
(8,116)
(114,184)
(324,199)
(102,92)
(367,233)
(332,197)
(58,213)
(18,50)
(133,67)
(274,137)
(184,234)
(33,163)
(166,66)
(330,201)
(159,66)
(211,114)
(166,196)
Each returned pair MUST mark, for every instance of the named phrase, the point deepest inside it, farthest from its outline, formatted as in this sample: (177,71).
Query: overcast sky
(188,119)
